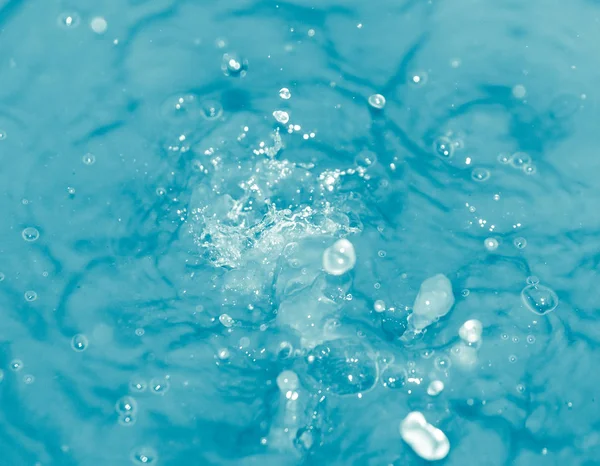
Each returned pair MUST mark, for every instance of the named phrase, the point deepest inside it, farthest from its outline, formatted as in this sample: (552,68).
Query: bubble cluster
(226,320)
(539,299)
(211,110)
(30,234)
(234,65)
(281,116)
(79,343)
(443,147)
(427,441)
(377,101)
(339,258)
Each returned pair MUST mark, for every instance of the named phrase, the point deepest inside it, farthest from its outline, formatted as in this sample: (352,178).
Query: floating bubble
(465,293)
(343,366)
(285,93)
(470,331)
(288,380)
(379,306)
(503,158)
(377,101)
(211,110)
(126,405)
(339,258)
(2,277)
(98,25)
(79,343)
(443,147)
(144,455)
(159,385)
(226,320)
(518,159)
(434,300)
(539,299)
(28,379)
(68,20)
(233,65)
(137,384)
(30,295)
(520,242)
(281,116)
(127,419)
(519,91)
(529,169)
(532,280)
(480,174)
(2,135)
(30,234)
(427,441)
(161,191)
(418,78)
(443,363)
(89,159)
(223,354)
(491,244)
(285,350)
(15,365)
(435,388)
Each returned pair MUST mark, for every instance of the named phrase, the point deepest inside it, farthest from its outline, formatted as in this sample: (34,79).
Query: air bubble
(285,350)
(30,234)
(285,93)
(161,191)
(491,244)
(503,158)
(2,135)
(519,91)
(539,299)
(480,174)
(98,25)
(442,363)
(530,339)
(68,20)
(520,242)
(394,377)
(281,116)
(144,455)
(470,331)
(512,358)
(28,379)
(126,405)
(287,380)
(15,365)
(79,343)
(529,169)
(160,385)
(532,280)
(127,419)
(30,295)
(226,320)
(89,159)
(435,388)
(2,277)
(211,110)
(465,293)
(377,101)
(443,147)
(379,306)
(418,78)
(234,65)
(339,258)
(518,159)
(137,384)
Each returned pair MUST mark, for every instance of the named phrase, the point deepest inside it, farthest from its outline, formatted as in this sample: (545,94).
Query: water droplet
(532,280)
(504,158)
(16,365)
(529,169)
(137,384)
(98,25)
(226,320)
(30,295)
(520,242)
(234,65)
(281,116)
(379,306)
(68,20)
(211,110)
(491,244)
(435,388)
(427,441)
(443,147)
(285,93)
(160,385)
(539,299)
(480,174)
(89,159)
(30,234)
(144,455)
(126,405)
(339,258)
(518,159)
(377,101)
(79,343)
(470,331)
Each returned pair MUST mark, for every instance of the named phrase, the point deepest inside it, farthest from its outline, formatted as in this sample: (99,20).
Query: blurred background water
(173,173)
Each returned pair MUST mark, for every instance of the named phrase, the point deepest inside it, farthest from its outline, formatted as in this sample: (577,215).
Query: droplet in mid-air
(281,116)
(285,93)
(427,441)
(480,174)
(377,101)
(339,258)
(79,343)
(539,299)
(30,234)
(234,65)
(443,147)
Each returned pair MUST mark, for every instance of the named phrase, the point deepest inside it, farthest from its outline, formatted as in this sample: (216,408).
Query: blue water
(162,237)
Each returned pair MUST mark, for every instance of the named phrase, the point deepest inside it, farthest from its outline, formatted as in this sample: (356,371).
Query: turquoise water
(176,175)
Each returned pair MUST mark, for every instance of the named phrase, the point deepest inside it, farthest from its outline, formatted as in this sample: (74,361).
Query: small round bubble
(435,388)
(211,110)
(15,365)
(518,159)
(126,405)
(529,169)
(226,320)
(89,159)
(442,363)
(443,147)
(144,455)
(520,242)
(470,331)
(532,280)
(30,234)
(127,419)
(491,244)
(480,174)
(98,25)
(418,78)
(377,101)
(530,339)
(519,91)
(137,384)
(79,343)
(339,258)
(68,20)
(379,306)
(464,293)
(161,191)
(233,65)
(539,299)
(504,158)
(28,379)
(159,385)
(30,295)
